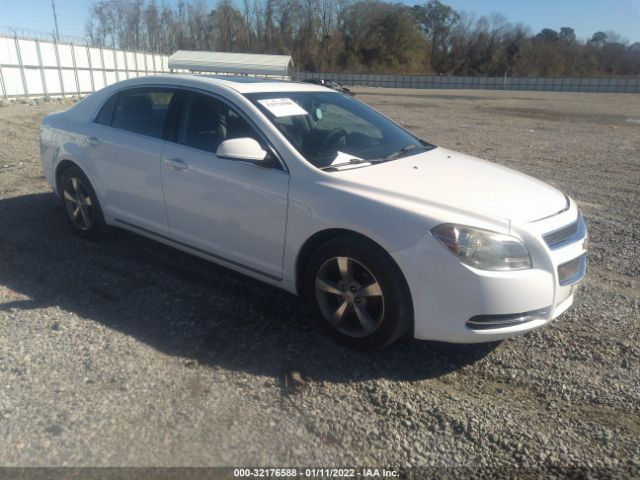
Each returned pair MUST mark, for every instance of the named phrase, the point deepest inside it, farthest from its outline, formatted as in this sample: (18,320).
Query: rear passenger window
(142,111)
(106,113)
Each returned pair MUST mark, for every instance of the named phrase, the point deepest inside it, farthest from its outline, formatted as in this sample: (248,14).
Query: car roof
(241,84)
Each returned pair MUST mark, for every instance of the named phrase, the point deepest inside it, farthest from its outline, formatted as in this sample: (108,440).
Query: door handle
(94,141)
(176,164)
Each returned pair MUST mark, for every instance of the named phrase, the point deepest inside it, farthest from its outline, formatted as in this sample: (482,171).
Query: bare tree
(366,35)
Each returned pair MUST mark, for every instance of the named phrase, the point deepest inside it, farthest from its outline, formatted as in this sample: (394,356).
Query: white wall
(37,68)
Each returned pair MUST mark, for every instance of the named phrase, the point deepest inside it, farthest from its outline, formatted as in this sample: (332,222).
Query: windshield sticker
(282,107)
(344,159)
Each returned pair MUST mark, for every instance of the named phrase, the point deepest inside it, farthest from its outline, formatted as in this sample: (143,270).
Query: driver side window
(201,122)
(205,122)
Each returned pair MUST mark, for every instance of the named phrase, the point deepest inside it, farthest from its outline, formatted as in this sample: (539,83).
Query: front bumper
(459,304)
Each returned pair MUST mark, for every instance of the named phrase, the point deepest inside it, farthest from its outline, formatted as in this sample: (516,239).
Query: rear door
(126,154)
(230,209)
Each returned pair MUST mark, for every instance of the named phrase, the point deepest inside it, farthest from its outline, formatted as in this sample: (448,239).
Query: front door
(232,210)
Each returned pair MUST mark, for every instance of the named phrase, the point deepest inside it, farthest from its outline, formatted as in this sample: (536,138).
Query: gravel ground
(126,352)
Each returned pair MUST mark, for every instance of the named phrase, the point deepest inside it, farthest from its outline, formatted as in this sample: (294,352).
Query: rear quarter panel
(63,137)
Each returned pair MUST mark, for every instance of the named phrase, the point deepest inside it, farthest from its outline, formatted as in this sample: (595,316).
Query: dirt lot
(125,352)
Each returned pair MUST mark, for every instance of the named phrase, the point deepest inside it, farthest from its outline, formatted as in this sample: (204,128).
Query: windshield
(331,129)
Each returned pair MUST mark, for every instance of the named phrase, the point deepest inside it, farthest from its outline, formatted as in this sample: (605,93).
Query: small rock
(54,430)
(292,380)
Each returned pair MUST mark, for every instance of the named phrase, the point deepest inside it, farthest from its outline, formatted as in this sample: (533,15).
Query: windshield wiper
(402,151)
(353,161)
(397,154)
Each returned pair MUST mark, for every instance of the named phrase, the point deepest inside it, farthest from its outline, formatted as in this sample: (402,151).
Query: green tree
(436,21)
(547,35)
(567,34)
(382,37)
(598,39)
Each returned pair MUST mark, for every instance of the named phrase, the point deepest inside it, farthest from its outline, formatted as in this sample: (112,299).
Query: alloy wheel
(77,202)
(349,296)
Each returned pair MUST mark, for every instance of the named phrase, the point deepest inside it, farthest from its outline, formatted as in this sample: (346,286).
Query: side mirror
(246,149)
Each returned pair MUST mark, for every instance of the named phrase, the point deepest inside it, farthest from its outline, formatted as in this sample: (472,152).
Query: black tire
(393,311)
(74,180)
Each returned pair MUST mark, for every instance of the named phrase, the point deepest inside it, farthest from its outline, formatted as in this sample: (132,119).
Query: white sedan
(315,192)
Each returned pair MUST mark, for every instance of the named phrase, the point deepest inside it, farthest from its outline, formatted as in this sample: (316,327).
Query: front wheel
(358,293)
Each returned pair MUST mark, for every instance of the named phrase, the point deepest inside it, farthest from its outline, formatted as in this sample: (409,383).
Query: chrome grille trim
(566,235)
(487,322)
(561,235)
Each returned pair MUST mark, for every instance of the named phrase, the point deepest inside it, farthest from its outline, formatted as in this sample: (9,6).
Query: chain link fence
(549,84)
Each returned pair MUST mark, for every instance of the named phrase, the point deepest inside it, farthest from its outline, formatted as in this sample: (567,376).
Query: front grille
(567,234)
(561,235)
(487,322)
(572,271)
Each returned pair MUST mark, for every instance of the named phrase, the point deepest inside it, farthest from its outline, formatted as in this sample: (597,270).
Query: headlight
(483,249)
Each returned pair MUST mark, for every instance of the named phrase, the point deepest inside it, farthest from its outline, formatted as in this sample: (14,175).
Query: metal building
(232,63)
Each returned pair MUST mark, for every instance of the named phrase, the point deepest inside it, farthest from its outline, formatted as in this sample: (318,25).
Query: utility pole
(55,19)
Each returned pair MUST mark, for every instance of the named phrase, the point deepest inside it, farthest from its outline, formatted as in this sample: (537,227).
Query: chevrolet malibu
(313,191)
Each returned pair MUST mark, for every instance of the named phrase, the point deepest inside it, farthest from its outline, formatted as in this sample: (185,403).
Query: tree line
(360,36)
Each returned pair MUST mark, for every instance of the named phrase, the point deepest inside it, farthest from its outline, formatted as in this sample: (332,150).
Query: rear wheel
(358,293)
(80,203)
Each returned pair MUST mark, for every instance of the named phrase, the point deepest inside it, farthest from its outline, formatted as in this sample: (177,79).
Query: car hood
(451,179)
